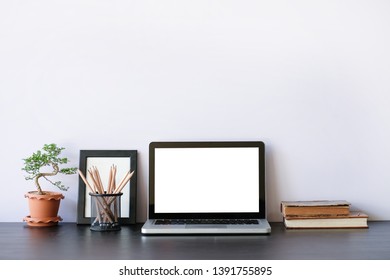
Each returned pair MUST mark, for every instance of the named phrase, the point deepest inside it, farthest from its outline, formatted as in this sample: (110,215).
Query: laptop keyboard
(206,221)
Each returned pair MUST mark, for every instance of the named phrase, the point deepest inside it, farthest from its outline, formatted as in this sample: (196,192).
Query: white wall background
(309,78)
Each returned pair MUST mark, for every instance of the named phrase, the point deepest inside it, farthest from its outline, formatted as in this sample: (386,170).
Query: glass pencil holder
(105,211)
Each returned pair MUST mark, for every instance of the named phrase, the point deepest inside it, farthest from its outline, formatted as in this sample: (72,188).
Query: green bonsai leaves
(48,156)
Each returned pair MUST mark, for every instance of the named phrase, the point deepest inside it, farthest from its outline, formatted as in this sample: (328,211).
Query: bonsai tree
(49,156)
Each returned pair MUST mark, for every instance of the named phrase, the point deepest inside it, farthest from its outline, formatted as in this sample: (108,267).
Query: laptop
(206,188)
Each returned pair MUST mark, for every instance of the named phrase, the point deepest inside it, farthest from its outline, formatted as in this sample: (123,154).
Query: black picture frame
(125,160)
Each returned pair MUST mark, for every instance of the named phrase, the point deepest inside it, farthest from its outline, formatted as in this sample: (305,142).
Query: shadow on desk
(69,241)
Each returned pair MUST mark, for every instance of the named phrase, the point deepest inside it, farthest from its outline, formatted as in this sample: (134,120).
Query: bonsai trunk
(44,175)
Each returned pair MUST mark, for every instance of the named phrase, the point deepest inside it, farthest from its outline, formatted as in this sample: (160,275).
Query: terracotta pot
(43,208)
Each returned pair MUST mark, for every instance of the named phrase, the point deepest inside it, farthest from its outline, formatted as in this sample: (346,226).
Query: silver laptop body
(206,188)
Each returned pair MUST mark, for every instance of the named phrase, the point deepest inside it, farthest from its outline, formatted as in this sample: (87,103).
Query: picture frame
(124,160)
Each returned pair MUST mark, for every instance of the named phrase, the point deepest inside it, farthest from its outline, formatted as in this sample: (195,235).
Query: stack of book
(321,214)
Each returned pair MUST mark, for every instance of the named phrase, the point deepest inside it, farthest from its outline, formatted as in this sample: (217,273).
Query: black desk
(69,241)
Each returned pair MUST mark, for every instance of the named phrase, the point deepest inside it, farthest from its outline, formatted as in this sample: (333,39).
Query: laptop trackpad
(206,226)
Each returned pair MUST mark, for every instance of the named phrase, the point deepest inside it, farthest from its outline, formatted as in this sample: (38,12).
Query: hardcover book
(355,219)
(314,208)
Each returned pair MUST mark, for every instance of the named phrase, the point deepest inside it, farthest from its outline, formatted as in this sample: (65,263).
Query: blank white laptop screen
(207,180)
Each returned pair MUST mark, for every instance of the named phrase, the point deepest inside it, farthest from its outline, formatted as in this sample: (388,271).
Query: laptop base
(150,228)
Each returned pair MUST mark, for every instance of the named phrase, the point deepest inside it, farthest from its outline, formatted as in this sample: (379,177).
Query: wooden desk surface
(69,241)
